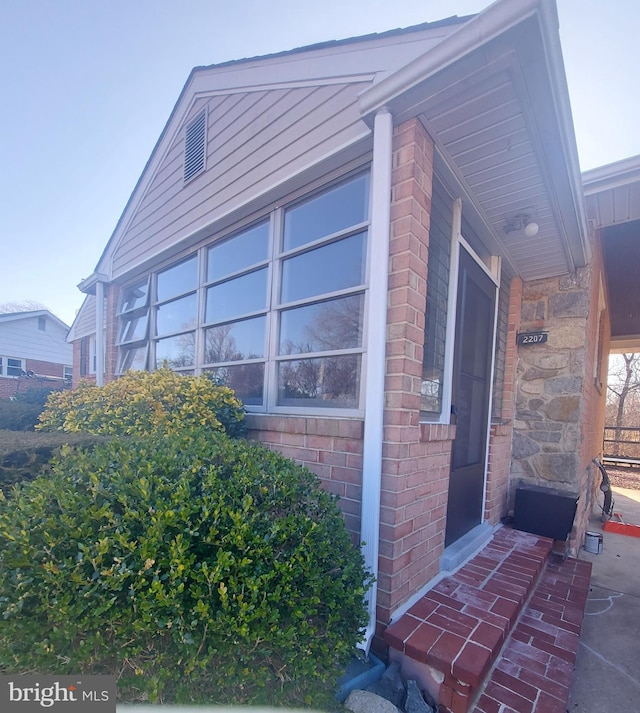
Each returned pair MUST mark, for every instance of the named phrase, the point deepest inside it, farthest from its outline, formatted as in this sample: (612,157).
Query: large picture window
(275,310)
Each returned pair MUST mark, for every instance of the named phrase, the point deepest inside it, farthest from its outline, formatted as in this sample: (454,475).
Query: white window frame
(5,366)
(274,263)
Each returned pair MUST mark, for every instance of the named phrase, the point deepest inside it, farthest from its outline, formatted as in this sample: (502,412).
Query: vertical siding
(254,141)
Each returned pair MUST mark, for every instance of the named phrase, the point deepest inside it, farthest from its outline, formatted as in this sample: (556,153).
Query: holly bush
(195,568)
(142,401)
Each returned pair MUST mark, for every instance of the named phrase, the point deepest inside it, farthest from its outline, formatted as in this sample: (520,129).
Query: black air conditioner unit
(544,511)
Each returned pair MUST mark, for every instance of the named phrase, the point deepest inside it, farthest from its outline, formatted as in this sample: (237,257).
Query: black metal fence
(621,442)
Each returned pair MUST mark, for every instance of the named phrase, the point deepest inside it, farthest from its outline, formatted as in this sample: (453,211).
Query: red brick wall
(112,296)
(330,447)
(499,467)
(594,395)
(415,466)
(10,386)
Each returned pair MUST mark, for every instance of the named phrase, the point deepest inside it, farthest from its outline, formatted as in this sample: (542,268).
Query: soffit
(496,117)
(613,207)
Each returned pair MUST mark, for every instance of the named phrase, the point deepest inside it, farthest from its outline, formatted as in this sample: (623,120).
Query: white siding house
(33,351)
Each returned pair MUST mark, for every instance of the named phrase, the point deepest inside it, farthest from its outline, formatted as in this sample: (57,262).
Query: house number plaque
(531,338)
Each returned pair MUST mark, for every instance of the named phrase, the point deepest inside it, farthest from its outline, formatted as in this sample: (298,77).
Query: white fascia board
(479,30)
(613,175)
(549,27)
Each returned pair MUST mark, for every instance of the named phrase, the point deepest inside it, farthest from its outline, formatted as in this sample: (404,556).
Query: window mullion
(271,384)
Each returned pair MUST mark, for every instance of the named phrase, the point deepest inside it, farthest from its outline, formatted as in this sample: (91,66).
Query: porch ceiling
(613,206)
(500,118)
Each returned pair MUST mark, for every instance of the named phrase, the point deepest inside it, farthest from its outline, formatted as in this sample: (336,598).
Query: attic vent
(194,146)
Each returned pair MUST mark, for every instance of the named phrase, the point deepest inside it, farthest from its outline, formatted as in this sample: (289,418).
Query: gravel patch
(624,477)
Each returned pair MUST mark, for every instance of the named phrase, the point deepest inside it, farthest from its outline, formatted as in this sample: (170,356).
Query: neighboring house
(33,352)
(352,235)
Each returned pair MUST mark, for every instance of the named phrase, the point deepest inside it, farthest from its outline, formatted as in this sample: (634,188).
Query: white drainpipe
(99,333)
(376,351)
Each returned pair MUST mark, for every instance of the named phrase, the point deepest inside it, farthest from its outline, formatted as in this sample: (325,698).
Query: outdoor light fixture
(522,222)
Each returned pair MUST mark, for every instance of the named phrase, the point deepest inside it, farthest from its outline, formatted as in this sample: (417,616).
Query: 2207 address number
(532,338)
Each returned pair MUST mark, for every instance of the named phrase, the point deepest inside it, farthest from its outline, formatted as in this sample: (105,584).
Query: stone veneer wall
(557,415)
(501,435)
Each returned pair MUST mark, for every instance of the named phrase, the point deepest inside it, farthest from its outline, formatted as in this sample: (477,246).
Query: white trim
(4,365)
(376,354)
(490,23)
(452,307)
(100,340)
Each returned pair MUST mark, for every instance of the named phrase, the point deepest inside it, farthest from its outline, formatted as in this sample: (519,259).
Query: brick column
(112,297)
(415,459)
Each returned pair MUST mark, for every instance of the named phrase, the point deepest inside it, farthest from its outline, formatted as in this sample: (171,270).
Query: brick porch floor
(501,634)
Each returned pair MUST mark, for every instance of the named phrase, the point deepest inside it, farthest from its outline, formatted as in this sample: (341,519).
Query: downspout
(376,353)
(99,333)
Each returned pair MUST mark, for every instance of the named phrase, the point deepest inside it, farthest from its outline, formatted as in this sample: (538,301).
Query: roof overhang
(88,285)
(493,97)
(613,207)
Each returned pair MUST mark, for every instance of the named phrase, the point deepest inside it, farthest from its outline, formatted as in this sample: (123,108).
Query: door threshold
(461,550)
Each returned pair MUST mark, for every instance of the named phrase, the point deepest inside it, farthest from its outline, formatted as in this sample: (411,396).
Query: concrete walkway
(607,675)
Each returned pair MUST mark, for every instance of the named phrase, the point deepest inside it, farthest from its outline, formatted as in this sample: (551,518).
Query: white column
(376,351)
(99,333)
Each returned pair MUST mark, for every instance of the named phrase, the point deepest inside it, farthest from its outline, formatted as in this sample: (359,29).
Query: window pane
(235,341)
(133,329)
(14,367)
(178,279)
(247,380)
(135,359)
(328,213)
(242,295)
(324,326)
(176,351)
(332,267)
(331,382)
(177,316)
(238,252)
(135,296)
(435,337)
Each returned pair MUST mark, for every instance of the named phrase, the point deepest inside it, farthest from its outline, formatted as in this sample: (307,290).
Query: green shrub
(35,395)
(141,401)
(196,568)
(16,416)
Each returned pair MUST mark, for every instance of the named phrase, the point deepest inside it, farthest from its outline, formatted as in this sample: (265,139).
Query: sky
(86,87)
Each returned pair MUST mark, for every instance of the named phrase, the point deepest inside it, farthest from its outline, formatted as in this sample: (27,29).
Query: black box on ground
(544,511)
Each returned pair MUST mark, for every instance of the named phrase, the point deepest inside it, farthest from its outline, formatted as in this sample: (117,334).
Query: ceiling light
(522,222)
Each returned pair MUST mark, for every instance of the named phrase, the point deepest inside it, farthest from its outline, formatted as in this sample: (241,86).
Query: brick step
(449,640)
(535,668)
